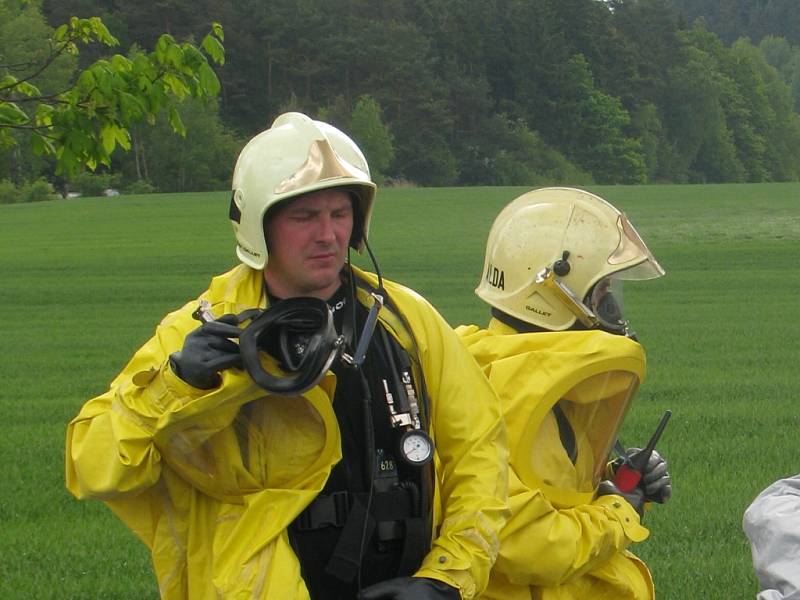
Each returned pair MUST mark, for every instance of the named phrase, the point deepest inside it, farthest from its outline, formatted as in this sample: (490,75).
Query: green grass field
(85,281)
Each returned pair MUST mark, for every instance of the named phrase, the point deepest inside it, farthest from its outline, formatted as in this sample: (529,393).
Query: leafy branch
(83,125)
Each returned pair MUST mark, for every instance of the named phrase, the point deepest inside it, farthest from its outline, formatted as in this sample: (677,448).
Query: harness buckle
(327,510)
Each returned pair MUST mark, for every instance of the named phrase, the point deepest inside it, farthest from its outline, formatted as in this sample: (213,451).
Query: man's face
(308,239)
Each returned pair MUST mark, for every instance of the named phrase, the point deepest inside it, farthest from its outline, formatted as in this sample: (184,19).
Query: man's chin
(324,284)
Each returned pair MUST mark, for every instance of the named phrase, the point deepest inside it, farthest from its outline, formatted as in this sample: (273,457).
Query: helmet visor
(632,247)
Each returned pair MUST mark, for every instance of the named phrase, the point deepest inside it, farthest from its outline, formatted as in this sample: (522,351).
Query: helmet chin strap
(547,278)
(356,359)
(605,315)
(374,264)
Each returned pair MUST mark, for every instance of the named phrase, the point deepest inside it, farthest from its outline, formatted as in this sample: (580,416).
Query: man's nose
(325,229)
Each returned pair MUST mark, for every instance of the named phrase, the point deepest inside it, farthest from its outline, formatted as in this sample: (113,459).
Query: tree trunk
(136,153)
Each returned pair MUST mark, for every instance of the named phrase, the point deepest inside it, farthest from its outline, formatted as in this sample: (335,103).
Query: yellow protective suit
(550,549)
(210,480)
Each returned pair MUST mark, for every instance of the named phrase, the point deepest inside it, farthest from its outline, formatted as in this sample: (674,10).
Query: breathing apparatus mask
(605,300)
(299,334)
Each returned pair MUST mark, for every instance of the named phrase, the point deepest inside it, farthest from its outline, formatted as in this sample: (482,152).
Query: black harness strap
(389,510)
(417,536)
(345,562)
(389,520)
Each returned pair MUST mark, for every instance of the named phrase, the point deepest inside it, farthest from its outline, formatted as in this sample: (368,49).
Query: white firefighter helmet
(295,156)
(553,254)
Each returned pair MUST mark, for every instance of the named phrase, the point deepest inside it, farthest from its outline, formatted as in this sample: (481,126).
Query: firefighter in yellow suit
(226,459)
(560,355)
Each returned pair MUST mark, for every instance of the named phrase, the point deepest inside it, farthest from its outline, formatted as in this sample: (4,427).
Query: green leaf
(108,137)
(214,49)
(208,80)
(176,86)
(101,32)
(60,34)
(44,115)
(131,107)
(42,145)
(27,89)
(104,82)
(11,114)
(123,138)
(142,65)
(192,57)
(86,80)
(37,145)
(67,162)
(175,56)
(121,64)
(176,122)
(165,41)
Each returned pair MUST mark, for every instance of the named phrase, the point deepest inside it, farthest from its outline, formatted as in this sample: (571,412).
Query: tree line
(473,92)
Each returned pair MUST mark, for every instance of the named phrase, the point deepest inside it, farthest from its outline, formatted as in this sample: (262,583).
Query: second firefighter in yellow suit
(566,368)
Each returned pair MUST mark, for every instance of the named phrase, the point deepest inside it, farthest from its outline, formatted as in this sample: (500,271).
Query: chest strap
(393,518)
(334,510)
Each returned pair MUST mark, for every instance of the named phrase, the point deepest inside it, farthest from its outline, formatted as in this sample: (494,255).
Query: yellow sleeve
(110,449)
(545,546)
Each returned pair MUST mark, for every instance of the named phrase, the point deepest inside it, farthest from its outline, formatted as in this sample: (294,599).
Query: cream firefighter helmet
(554,254)
(295,156)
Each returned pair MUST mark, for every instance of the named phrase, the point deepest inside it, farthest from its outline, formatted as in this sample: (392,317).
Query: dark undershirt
(315,547)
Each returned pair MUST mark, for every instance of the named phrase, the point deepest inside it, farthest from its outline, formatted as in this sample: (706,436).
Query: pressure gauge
(416,447)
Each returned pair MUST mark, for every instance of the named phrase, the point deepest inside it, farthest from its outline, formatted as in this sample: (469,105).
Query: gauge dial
(416,447)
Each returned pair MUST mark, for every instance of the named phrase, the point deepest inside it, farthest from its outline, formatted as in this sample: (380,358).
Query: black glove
(410,588)
(656,481)
(635,497)
(206,351)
